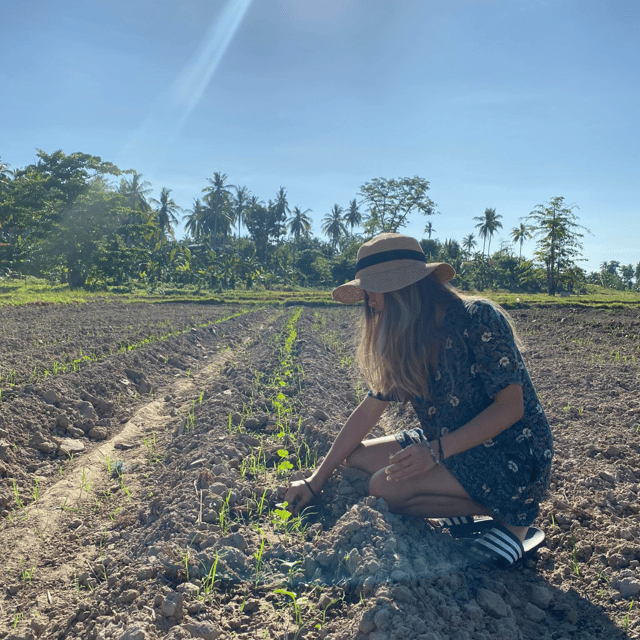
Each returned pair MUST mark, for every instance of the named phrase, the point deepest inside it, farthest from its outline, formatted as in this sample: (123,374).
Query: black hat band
(388,256)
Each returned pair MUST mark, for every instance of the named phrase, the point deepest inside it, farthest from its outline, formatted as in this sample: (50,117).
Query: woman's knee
(379,486)
(354,457)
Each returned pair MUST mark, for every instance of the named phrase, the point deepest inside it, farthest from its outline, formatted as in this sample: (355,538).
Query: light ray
(161,127)
(195,77)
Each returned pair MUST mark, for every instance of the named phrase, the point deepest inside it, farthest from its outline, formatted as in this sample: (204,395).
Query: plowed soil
(144,452)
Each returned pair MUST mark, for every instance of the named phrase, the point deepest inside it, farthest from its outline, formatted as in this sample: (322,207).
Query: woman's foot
(519,532)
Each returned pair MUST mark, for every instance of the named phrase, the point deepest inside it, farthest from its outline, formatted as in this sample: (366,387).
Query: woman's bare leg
(436,494)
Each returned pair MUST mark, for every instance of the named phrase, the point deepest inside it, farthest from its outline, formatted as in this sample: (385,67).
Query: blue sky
(497,103)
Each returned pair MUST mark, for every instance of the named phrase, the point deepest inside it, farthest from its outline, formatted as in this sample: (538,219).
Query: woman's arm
(506,409)
(353,432)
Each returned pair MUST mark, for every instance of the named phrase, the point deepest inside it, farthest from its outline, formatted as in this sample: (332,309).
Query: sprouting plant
(36,489)
(224,515)
(625,623)
(574,557)
(284,464)
(209,581)
(258,557)
(566,408)
(185,561)
(86,484)
(292,568)
(16,495)
(26,575)
(296,603)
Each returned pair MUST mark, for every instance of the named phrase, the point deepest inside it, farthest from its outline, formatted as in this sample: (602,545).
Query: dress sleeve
(498,360)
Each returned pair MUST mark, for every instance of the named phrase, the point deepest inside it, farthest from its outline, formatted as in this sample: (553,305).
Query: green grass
(35,291)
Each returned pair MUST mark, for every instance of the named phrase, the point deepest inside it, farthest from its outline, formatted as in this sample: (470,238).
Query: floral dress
(509,474)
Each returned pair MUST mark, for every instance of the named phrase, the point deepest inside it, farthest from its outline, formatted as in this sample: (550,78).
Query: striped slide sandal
(462,526)
(498,548)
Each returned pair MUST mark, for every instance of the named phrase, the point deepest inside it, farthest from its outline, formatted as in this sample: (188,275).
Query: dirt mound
(141,482)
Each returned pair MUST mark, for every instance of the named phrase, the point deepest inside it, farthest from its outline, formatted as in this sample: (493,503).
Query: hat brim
(406,274)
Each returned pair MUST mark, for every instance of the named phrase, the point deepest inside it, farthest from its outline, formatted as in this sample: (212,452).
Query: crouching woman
(484,445)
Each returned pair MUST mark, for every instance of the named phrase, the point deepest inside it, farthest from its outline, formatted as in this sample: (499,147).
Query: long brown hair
(399,347)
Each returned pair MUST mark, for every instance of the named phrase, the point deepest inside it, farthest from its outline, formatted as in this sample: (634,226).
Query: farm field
(145,448)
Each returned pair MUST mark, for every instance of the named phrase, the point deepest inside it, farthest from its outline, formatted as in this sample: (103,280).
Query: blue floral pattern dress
(509,474)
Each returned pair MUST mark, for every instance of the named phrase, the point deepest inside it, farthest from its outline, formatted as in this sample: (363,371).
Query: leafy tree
(353,217)
(333,226)
(558,235)
(520,234)
(391,201)
(488,224)
(432,249)
(165,214)
(265,225)
(299,224)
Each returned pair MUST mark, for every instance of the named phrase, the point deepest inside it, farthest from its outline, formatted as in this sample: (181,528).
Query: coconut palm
(487,225)
(5,172)
(468,243)
(135,192)
(520,234)
(429,229)
(353,217)
(165,214)
(240,205)
(333,225)
(193,225)
(218,207)
(299,223)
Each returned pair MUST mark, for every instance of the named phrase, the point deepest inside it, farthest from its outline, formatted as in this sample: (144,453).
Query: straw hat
(390,262)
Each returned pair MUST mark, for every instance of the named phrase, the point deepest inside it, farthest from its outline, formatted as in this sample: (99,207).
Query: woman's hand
(412,461)
(299,495)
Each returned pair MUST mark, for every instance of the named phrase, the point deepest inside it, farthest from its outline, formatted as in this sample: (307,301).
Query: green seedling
(284,466)
(625,623)
(209,581)
(225,513)
(16,496)
(296,604)
(258,557)
(26,575)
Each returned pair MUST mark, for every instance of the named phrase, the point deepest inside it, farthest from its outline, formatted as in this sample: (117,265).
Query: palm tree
(520,234)
(193,225)
(217,216)
(135,192)
(353,217)
(487,225)
(5,172)
(468,243)
(241,204)
(165,215)
(333,225)
(299,223)
(429,229)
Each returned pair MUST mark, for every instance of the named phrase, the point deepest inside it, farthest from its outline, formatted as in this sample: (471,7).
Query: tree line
(78,220)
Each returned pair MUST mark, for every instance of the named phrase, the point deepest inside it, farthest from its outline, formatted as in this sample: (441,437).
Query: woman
(484,446)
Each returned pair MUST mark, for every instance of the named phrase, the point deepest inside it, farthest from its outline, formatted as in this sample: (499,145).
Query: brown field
(144,449)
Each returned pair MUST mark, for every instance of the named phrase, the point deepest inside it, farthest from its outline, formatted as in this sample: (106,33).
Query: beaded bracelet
(433,455)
